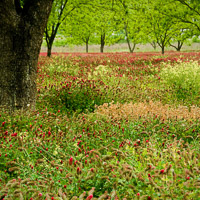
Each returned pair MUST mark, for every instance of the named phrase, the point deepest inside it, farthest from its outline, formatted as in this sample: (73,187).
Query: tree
(22,28)
(78,28)
(163,26)
(131,20)
(59,12)
(181,37)
(104,22)
(190,14)
(61,9)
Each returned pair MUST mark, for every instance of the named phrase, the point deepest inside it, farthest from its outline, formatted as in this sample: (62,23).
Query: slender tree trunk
(49,49)
(50,38)
(163,49)
(87,44)
(179,46)
(131,49)
(21,36)
(129,45)
(128,41)
(103,36)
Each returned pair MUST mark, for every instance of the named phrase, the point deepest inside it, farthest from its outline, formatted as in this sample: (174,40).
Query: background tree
(190,12)
(22,28)
(60,10)
(103,18)
(180,38)
(131,20)
(78,27)
(163,27)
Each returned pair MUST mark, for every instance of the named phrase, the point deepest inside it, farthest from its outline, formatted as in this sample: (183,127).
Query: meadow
(106,126)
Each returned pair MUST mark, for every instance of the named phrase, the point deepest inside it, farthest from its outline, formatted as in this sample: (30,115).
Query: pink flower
(162,171)
(40,194)
(71,161)
(89,197)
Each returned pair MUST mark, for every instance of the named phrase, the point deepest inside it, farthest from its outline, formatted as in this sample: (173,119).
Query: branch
(62,9)
(68,14)
(186,4)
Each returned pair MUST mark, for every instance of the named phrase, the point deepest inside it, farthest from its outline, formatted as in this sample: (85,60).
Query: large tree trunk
(21,36)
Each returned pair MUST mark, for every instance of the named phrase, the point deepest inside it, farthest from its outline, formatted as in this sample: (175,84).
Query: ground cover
(107,126)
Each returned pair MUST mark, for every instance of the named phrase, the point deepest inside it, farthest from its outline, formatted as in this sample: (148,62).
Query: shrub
(183,77)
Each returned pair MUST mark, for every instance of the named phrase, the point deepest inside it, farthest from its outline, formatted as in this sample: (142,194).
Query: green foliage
(184,77)
(196,39)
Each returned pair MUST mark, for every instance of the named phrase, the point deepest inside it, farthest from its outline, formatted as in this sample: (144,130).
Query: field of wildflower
(115,126)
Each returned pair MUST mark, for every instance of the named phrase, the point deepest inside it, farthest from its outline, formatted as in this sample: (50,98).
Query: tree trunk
(101,48)
(51,37)
(21,36)
(163,49)
(128,41)
(103,36)
(87,47)
(129,46)
(179,46)
(49,48)
(49,51)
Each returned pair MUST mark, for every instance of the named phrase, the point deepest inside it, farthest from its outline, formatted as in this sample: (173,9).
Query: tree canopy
(165,23)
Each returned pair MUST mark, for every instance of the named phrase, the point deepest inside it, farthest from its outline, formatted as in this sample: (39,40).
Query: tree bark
(49,51)
(87,43)
(103,36)
(49,47)
(163,49)
(21,34)
(86,46)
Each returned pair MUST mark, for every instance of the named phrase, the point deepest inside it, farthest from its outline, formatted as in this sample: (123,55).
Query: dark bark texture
(21,32)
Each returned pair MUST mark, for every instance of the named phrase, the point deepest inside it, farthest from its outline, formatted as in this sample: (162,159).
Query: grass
(107,126)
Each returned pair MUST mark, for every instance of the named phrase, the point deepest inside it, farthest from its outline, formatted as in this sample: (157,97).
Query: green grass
(79,142)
